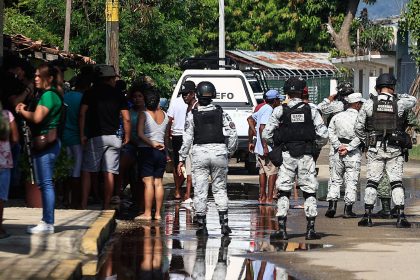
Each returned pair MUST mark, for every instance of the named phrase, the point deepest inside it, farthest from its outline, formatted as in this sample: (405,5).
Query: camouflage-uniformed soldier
(331,106)
(205,131)
(300,123)
(380,124)
(345,167)
(336,103)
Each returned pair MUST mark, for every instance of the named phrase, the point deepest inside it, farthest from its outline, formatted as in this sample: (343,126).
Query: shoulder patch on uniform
(232,125)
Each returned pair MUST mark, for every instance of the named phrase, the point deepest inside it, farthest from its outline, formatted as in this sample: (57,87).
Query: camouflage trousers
(379,164)
(205,162)
(384,188)
(347,173)
(304,169)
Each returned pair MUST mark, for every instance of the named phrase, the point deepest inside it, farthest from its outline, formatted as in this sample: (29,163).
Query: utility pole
(67,27)
(112,30)
(1,30)
(221,34)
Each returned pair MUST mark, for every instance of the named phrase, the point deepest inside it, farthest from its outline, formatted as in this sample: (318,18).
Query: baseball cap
(187,86)
(294,84)
(354,97)
(272,94)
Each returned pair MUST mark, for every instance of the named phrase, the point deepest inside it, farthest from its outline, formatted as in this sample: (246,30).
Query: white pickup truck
(235,96)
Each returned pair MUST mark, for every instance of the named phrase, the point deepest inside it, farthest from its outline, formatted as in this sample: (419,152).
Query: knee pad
(396,184)
(307,195)
(372,184)
(283,193)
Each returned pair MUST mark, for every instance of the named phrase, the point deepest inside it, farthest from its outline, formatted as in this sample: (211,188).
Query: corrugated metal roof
(21,44)
(287,60)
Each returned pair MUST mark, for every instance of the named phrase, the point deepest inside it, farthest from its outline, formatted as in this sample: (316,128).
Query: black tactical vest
(297,124)
(385,116)
(208,126)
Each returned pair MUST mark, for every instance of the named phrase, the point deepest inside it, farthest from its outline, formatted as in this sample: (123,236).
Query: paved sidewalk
(79,235)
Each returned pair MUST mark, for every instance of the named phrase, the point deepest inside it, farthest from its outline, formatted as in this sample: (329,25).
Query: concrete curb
(98,233)
(94,239)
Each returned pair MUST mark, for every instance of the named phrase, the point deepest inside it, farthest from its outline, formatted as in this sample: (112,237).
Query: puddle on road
(170,250)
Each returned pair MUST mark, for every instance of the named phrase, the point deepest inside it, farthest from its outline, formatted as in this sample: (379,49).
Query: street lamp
(221,34)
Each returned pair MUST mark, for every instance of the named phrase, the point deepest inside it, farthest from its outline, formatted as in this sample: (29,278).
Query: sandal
(158,218)
(142,218)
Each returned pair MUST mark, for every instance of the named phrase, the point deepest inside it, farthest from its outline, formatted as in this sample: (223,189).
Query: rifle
(27,147)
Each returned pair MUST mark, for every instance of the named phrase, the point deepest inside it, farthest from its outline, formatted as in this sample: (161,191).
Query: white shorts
(102,153)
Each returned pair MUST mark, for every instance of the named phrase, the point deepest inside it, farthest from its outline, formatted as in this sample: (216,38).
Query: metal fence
(319,88)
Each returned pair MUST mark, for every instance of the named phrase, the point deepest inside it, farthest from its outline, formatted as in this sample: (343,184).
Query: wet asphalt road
(170,250)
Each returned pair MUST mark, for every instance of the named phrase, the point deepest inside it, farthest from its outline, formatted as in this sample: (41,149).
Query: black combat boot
(394,212)
(366,221)
(332,208)
(348,212)
(310,229)
(223,250)
(223,218)
(281,234)
(202,227)
(402,220)
(385,212)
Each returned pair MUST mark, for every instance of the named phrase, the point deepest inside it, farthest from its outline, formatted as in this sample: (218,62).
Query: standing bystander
(71,139)
(176,113)
(44,123)
(153,134)
(192,102)
(100,111)
(8,135)
(257,123)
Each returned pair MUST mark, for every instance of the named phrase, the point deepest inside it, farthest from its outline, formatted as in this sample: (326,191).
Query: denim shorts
(152,163)
(102,153)
(4,183)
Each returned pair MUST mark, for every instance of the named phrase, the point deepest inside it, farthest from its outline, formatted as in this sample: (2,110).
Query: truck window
(231,90)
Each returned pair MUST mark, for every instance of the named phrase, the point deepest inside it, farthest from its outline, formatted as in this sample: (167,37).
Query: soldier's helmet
(206,90)
(385,80)
(295,85)
(345,89)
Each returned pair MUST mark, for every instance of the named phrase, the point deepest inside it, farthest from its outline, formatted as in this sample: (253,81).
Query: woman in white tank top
(152,128)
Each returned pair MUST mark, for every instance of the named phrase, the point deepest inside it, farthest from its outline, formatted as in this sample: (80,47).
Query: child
(6,162)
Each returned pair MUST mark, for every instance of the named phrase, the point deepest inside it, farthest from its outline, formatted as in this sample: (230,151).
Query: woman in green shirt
(44,122)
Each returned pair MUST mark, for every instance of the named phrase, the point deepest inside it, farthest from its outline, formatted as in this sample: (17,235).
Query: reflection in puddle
(170,250)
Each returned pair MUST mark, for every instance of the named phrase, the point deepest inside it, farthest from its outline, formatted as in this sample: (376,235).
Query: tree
(1,30)
(410,23)
(341,37)
(293,25)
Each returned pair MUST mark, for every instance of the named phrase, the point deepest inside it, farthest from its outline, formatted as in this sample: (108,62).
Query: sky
(383,8)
